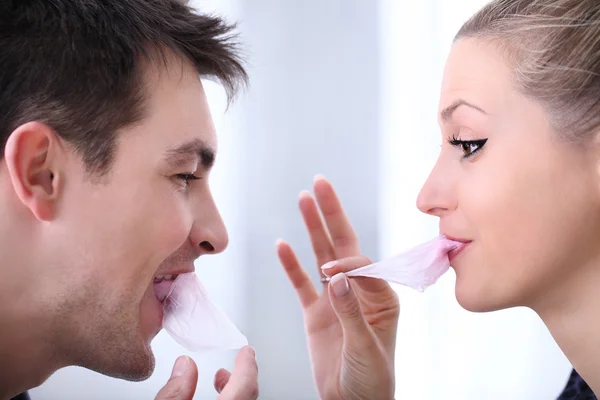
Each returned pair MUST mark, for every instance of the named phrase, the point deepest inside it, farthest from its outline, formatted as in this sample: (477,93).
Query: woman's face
(527,201)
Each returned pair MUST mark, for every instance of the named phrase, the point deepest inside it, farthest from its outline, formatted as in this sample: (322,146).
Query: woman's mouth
(162,286)
(456,251)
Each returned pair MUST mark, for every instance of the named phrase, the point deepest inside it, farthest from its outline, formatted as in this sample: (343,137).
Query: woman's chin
(477,297)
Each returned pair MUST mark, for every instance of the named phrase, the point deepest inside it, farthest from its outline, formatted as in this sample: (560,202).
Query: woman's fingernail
(319,177)
(181,365)
(340,284)
(328,265)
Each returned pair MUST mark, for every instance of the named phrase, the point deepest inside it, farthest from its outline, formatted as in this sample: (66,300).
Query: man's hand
(241,384)
(182,384)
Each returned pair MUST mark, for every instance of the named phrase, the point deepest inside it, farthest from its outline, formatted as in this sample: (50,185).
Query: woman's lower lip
(452,254)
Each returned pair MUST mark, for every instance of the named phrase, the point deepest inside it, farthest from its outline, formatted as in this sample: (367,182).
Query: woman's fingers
(319,238)
(343,237)
(300,280)
(350,264)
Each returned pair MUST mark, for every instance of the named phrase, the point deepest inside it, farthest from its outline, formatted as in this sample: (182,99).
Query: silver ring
(325,279)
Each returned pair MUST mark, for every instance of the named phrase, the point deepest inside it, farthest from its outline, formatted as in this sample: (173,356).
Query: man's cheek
(172,231)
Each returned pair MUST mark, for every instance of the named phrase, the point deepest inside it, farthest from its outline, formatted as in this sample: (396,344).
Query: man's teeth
(160,278)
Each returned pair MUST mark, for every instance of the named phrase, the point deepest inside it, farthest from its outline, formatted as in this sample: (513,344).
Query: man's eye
(468,147)
(186,178)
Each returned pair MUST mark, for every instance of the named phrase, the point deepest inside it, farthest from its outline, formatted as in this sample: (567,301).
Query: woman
(518,178)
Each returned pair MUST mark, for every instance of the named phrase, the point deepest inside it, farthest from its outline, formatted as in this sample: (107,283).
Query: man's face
(149,217)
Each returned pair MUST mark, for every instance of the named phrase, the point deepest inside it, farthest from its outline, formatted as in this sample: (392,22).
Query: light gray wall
(312,108)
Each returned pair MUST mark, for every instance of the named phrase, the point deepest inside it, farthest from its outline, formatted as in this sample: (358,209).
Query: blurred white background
(348,89)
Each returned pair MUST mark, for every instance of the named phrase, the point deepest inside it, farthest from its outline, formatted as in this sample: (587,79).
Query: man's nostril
(207,246)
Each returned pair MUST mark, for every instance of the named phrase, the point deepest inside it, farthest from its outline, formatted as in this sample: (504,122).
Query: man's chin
(131,365)
(141,373)
(144,366)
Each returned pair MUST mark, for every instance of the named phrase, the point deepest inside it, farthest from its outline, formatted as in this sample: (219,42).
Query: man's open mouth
(162,286)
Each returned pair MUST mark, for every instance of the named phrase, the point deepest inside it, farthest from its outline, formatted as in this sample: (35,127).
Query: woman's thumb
(357,331)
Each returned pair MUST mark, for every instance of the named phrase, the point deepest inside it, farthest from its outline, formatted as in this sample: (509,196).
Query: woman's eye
(186,178)
(468,147)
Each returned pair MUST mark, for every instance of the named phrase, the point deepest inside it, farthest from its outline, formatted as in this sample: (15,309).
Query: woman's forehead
(476,72)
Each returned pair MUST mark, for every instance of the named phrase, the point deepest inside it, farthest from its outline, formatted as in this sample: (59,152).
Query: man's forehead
(178,114)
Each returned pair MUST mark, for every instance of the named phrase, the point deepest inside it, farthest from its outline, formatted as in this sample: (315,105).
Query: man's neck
(28,351)
(572,316)
(28,334)
(26,360)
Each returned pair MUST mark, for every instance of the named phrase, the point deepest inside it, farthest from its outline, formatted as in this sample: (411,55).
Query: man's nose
(209,231)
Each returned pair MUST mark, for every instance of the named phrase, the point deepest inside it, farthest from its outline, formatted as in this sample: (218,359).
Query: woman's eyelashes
(468,147)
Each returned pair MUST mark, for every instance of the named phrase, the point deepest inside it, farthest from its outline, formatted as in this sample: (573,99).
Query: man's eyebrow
(447,112)
(187,152)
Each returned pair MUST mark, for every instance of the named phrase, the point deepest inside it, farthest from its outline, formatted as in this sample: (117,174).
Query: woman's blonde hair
(554,48)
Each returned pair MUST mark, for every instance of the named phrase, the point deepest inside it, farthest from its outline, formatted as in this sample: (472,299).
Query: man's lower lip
(160,310)
(452,254)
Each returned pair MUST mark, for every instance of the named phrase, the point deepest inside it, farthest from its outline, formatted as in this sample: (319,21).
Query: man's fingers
(243,382)
(182,384)
(319,238)
(344,239)
(221,378)
(305,289)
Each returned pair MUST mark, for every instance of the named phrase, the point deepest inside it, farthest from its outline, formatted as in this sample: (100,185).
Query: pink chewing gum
(417,268)
(196,323)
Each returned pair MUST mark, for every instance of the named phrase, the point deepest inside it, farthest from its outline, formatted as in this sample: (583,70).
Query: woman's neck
(571,311)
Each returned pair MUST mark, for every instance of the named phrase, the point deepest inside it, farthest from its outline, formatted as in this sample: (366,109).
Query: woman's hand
(351,326)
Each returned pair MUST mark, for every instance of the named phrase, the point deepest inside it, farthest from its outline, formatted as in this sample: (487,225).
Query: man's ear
(31,155)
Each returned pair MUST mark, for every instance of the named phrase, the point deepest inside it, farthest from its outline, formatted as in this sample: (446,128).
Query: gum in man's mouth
(162,286)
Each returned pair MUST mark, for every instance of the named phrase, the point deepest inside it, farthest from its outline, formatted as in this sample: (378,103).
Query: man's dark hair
(78,65)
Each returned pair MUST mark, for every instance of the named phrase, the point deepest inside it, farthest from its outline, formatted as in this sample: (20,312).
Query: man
(107,147)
